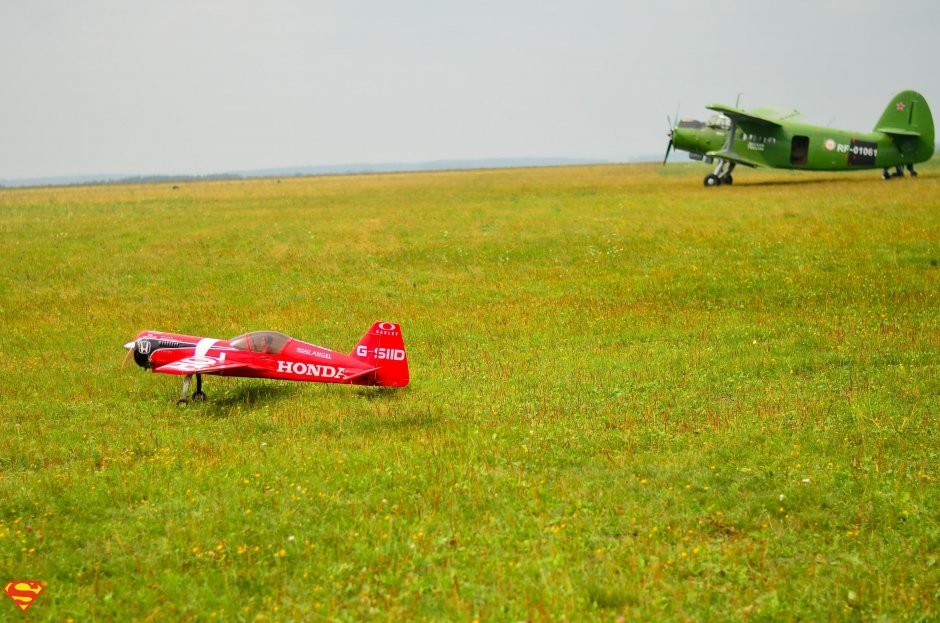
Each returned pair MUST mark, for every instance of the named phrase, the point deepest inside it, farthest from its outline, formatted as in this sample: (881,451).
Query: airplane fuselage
(296,361)
(378,359)
(814,148)
(807,147)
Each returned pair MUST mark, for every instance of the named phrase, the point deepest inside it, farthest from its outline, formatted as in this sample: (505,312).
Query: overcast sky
(199,86)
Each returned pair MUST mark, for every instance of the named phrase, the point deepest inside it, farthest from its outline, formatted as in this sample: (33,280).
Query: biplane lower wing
(730,156)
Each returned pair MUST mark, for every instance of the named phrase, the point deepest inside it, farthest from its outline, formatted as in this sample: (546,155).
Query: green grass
(631,397)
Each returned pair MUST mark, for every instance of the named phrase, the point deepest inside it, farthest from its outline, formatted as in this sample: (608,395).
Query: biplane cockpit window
(719,122)
(270,342)
(694,124)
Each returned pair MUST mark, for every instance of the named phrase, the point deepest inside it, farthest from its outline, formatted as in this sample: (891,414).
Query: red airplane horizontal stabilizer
(365,374)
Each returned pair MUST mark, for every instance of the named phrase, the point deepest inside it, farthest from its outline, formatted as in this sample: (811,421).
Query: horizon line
(360,168)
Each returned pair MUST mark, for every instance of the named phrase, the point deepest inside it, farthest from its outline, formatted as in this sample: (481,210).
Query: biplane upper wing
(768,116)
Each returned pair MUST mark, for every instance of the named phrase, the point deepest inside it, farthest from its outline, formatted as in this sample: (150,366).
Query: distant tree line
(164,179)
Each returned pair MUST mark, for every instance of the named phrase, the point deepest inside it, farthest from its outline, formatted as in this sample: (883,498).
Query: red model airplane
(378,359)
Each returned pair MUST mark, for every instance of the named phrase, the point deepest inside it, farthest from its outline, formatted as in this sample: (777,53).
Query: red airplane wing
(202,365)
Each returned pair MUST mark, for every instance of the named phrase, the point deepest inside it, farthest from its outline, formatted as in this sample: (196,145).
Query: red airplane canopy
(270,342)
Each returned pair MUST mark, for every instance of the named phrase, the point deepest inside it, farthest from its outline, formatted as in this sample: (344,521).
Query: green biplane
(769,137)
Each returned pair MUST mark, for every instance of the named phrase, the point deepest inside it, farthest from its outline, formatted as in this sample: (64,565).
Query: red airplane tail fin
(383,347)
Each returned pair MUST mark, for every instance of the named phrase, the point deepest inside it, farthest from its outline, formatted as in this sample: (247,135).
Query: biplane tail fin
(908,117)
(384,348)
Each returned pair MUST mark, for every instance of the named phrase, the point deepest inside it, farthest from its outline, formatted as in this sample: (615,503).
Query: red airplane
(378,359)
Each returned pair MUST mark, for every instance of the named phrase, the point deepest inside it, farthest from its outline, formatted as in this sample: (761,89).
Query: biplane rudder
(908,115)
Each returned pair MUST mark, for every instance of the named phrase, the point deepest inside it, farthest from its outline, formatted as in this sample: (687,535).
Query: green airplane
(770,137)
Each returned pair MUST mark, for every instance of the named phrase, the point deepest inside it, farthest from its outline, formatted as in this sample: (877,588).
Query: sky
(198,87)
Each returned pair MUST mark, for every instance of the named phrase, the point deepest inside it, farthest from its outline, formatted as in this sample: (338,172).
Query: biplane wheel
(713,180)
(727,179)
(199,397)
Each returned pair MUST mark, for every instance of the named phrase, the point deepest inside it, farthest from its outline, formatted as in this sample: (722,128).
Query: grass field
(632,398)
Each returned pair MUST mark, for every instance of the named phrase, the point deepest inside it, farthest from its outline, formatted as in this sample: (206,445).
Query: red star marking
(900,106)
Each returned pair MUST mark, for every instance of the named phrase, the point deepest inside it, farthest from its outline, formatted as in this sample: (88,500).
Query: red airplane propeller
(378,359)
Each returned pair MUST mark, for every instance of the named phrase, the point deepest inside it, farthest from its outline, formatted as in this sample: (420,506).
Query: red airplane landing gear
(198,395)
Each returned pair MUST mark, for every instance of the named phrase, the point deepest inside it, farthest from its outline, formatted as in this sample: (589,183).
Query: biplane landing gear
(898,172)
(726,176)
(198,395)
(721,175)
